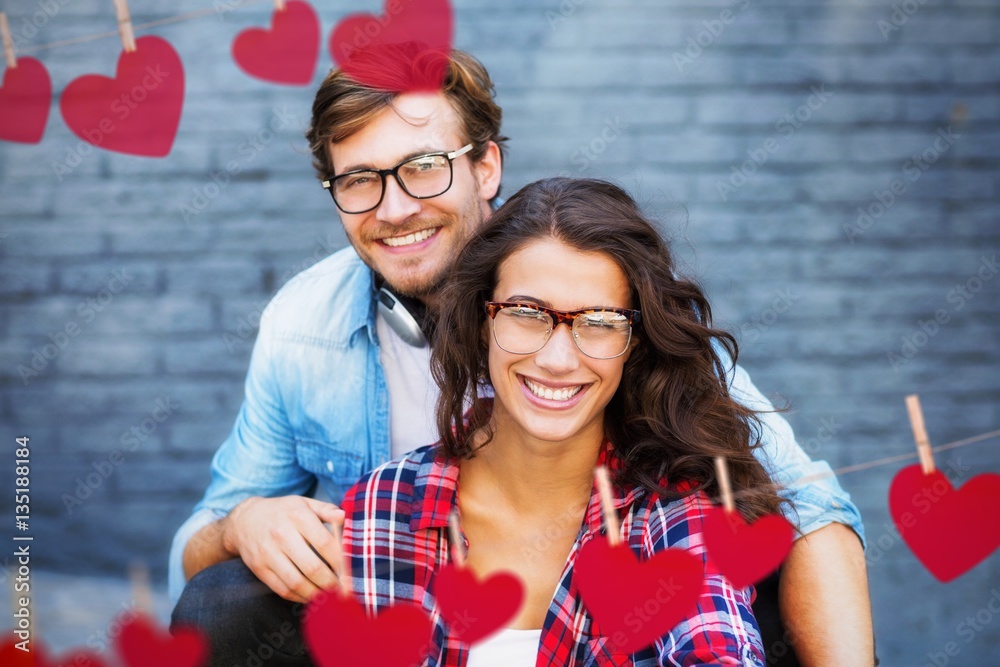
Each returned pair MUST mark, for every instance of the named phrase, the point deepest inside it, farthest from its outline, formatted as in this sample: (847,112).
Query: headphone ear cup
(406,316)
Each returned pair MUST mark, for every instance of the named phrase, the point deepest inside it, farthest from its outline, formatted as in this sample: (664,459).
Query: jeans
(246,624)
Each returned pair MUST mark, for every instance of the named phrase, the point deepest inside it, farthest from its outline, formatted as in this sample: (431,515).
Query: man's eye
(359,181)
(426,164)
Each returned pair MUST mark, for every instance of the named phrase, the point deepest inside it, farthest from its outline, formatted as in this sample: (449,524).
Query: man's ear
(488,171)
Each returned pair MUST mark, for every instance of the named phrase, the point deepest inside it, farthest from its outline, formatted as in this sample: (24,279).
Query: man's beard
(468,220)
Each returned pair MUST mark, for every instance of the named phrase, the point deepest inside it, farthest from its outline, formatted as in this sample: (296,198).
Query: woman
(633,381)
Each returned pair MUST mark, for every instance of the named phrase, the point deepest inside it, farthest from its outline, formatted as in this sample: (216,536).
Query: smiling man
(339,382)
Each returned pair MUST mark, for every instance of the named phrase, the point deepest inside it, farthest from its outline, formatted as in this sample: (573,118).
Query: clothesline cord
(137,27)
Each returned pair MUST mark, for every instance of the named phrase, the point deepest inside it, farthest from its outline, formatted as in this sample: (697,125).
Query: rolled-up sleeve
(816,496)
(175,573)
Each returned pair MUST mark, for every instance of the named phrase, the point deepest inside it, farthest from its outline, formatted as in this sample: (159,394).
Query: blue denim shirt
(315,413)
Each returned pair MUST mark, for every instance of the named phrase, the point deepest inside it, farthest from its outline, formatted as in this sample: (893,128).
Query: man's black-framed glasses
(600,333)
(421,177)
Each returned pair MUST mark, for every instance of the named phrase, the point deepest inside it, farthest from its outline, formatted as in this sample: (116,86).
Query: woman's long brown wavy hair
(672,413)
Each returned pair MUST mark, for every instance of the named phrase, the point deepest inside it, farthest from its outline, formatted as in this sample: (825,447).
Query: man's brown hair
(343,105)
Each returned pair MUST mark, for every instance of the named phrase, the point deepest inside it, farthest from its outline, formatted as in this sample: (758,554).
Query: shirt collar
(435,491)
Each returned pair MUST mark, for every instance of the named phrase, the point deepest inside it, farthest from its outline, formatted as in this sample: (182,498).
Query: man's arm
(823,585)
(823,594)
(243,513)
(282,540)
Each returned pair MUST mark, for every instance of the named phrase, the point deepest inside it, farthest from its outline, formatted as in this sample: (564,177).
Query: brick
(948,107)
(847,106)
(219,277)
(107,357)
(924,29)
(24,279)
(878,145)
(713,30)
(810,144)
(96,442)
(953,184)
(43,315)
(982,145)
(783,70)
(846,31)
(148,478)
(687,147)
(898,70)
(203,356)
(760,187)
(130,315)
(26,243)
(177,238)
(92,278)
(200,436)
(709,70)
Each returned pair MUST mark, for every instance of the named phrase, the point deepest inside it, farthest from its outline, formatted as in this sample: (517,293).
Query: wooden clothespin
(722,473)
(138,575)
(8,42)
(125,25)
(607,505)
(920,433)
(457,543)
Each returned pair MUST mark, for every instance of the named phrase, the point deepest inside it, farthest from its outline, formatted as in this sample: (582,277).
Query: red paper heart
(288,52)
(368,48)
(139,110)
(635,603)
(11,656)
(339,634)
(141,644)
(950,531)
(474,609)
(745,554)
(24,102)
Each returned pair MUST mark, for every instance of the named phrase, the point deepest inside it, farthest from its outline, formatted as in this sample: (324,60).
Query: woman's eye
(609,320)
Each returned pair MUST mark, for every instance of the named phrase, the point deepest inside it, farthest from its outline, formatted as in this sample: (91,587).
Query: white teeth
(551,394)
(409,239)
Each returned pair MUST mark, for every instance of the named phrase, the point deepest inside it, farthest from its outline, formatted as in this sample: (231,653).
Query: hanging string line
(808,479)
(137,27)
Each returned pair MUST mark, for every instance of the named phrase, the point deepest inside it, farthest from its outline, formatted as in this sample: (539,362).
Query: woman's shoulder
(398,480)
(676,520)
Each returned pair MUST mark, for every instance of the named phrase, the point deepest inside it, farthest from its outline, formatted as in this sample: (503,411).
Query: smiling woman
(564,342)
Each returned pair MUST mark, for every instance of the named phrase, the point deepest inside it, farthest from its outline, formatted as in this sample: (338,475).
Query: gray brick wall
(821,110)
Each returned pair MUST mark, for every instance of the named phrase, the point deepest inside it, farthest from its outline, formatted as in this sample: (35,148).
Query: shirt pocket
(331,462)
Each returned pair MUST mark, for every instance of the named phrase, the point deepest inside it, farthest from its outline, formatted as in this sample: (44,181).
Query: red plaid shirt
(396,534)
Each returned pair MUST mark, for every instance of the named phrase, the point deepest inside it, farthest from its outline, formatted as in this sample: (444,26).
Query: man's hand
(282,540)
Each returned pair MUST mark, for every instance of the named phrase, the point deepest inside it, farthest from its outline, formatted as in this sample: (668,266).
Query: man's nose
(396,206)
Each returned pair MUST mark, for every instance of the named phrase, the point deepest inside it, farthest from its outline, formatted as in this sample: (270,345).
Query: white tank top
(507,648)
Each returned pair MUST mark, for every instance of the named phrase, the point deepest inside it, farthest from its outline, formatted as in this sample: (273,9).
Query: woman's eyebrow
(532,299)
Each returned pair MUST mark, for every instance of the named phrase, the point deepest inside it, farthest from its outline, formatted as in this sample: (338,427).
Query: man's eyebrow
(409,156)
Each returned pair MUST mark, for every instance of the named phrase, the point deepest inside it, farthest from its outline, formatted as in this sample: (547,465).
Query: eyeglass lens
(423,177)
(598,334)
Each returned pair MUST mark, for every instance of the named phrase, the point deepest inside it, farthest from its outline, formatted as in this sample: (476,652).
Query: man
(333,389)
